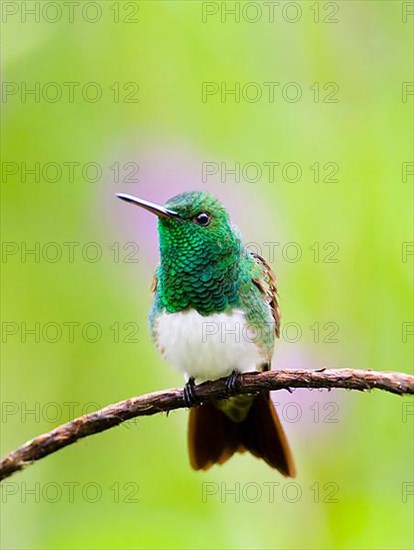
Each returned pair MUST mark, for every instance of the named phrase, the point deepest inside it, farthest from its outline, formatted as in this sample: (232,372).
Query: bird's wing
(266,283)
(154,283)
(154,308)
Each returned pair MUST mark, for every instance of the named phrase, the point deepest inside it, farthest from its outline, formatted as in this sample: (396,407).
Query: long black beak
(159,211)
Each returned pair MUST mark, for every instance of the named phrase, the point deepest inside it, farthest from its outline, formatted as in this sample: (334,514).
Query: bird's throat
(210,288)
(198,272)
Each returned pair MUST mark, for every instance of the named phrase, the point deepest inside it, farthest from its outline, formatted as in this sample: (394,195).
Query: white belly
(207,348)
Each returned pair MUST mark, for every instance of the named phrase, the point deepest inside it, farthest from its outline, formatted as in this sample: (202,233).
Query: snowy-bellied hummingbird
(215,314)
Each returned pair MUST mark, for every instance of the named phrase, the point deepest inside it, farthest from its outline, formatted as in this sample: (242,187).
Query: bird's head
(193,223)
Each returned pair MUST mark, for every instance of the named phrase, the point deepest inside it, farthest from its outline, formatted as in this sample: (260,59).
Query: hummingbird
(215,314)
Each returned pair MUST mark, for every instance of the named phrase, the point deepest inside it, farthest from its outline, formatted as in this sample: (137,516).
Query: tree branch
(169,400)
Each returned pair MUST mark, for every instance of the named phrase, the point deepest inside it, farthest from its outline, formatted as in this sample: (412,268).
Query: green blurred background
(132,487)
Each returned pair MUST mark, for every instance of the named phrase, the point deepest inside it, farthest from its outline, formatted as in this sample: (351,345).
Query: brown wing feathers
(267,284)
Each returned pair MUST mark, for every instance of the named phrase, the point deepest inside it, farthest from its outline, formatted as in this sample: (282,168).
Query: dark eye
(202,219)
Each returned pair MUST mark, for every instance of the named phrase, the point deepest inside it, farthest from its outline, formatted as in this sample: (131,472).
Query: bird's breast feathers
(209,347)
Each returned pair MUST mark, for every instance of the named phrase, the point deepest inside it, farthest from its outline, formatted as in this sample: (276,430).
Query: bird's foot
(232,382)
(190,398)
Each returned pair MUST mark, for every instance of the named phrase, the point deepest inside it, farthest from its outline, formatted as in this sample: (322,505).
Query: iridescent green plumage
(209,270)
(208,279)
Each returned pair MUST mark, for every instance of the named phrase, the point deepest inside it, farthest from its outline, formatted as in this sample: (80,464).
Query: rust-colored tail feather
(213,438)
